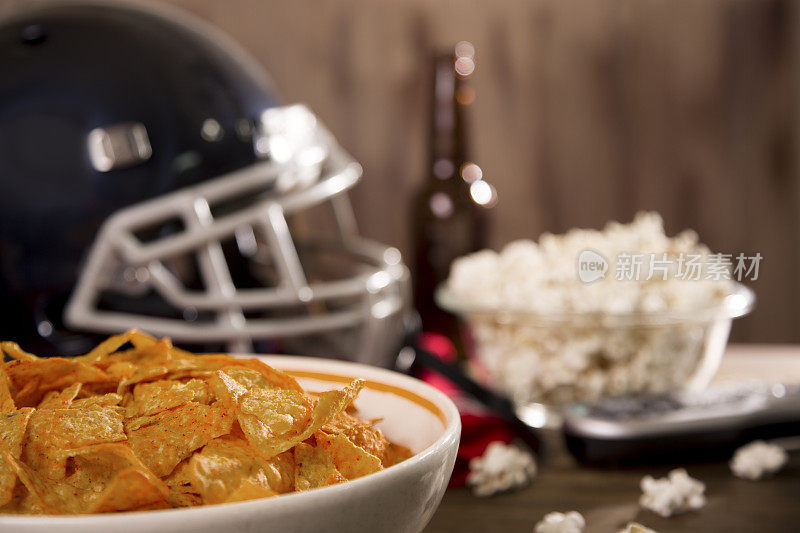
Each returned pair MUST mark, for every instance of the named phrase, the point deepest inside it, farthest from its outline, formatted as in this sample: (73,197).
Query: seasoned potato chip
(103,489)
(226,388)
(229,469)
(13,350)
(20,502)
(137,424)
(54,373)
(53,432)
(6,399)
(331,403)
(173,435)
(101,462)
(130,489)
(274,377)
(314,468)
(121,370)
(250,490)
(353,462)
(114,343)
(181,491)
(365,435)
(361,433)
(121,477)
(274,420)
(395,453)
(248,379)
(154,397)
(142,374)
(328,405)
(29,391)
(50,495)
(97,402)
(62,399)
(12,431)
(108,346)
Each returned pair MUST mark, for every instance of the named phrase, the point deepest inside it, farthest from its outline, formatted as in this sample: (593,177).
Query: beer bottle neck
(448,127)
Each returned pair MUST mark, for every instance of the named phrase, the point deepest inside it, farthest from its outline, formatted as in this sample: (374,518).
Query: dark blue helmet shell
(66,70)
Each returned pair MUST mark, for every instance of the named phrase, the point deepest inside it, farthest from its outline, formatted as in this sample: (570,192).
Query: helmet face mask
(223,265)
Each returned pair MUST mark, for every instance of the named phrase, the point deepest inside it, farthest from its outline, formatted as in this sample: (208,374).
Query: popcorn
(571,522)
(502,467)
(671,495)
(532,358)
(757,459)
(634,527)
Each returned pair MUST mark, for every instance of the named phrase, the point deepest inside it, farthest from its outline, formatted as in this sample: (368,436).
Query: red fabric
(476,434)
(478,427)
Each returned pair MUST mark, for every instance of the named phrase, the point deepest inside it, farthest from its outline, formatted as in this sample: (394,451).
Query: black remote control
(680,427)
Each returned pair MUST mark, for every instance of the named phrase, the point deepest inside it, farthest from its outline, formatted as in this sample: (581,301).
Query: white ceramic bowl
(401,498)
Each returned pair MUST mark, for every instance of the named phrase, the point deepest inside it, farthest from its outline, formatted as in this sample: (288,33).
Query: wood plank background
(586,111)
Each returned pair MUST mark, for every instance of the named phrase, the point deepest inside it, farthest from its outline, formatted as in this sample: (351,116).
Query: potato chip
(248,379)
(142,374)
(114,469)
(275,420)
(54,373)
(104,492)
(133,424)
(60,399)
(179,477)
(13,350)
(51,496)
(175,434)
(274,377)
(181,491)
(330,404)
(99,463)
(178,498)
(114,343)
(226,388)
(6,399)
(361,433)
(154,397)
(395,453)
(230,469)
(20,502)
(28,393)
(97,402)
(171,369)
(157,506)
(251,490)
(353,462)
(130,489)
(120,370)
(314,468)
(12,431)
(53,432)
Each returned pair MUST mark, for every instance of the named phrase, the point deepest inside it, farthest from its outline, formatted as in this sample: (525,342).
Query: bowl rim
(450,436)
(738,302)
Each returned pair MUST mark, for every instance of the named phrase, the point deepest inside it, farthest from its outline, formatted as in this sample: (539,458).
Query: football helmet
(149,178)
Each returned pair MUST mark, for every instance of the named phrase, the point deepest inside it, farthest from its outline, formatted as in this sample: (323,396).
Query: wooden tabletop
(608,498)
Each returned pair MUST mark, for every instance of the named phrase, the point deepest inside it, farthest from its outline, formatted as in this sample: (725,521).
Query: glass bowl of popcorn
(590,314)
